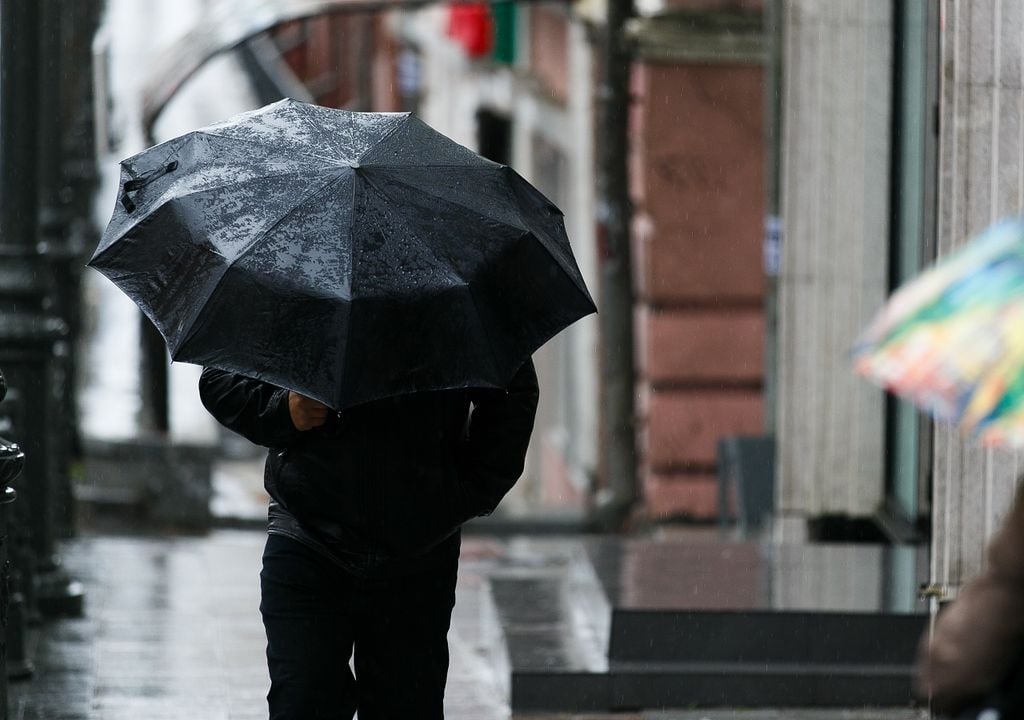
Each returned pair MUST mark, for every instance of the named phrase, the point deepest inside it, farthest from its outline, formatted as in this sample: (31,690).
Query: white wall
(981,178)
(837,69)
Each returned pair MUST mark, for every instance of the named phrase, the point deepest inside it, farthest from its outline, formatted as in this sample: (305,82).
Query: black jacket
(391,478)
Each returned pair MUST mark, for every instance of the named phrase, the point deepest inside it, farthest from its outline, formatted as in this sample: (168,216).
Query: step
(621,624)
(765,636)
(552,621)
(652,686)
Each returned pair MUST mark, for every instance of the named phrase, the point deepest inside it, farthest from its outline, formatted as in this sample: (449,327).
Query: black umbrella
(347,256)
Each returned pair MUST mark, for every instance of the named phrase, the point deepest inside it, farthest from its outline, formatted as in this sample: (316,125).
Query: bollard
(12,460)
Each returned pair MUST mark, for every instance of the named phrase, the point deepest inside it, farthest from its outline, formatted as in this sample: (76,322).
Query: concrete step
(765,636)
(626,625)
(652,686)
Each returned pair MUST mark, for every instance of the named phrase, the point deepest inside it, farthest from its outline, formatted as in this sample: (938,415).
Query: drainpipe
(773,208)
(616,291)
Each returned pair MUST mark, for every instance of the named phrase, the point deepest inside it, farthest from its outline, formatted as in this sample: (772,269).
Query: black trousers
(316,614)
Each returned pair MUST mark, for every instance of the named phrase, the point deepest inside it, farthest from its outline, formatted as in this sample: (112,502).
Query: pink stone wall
(327,64)
(697,183)
(702,346)
(549,44)
(703,585)
(319,63)
(684,426)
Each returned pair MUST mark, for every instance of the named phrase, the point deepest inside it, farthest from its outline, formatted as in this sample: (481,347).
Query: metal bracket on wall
(940,592)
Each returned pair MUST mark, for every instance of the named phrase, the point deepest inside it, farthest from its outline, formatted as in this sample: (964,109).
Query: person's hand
(306,412)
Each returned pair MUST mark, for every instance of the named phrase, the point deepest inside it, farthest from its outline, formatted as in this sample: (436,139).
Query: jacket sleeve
(252,408)
(497,438)
(979,637)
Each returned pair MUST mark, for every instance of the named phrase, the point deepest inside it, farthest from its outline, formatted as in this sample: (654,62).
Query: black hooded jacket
(387,481)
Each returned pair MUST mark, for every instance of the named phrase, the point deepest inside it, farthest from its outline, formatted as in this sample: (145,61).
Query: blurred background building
(522,83)
(744,181)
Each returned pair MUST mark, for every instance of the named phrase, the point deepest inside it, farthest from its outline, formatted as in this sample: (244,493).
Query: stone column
(981,179)
(835,154)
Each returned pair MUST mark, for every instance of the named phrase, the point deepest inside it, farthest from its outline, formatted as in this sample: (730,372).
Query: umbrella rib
(351,293)
(383,138)
(190,193)
(186,337)
(430,191)
(262,236)
(463,282)
(303,109)
(401,166)
(440,261)
(521,225)
(249,141)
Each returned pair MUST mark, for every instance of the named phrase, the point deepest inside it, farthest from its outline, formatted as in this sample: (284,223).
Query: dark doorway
(494,136)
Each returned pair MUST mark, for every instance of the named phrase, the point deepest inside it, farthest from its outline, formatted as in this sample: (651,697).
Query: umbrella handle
(136,184)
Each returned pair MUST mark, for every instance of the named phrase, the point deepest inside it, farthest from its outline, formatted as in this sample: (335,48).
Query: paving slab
(172,631)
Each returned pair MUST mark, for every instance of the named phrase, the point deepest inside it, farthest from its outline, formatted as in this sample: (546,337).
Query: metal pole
(24,333)
(50,79)
(617,294)
(19,49)
(54,75)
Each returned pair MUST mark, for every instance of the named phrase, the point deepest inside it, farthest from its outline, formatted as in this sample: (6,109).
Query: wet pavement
(172,631)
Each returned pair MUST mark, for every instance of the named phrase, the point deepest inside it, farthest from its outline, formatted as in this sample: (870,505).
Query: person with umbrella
(365,296)
(364,541)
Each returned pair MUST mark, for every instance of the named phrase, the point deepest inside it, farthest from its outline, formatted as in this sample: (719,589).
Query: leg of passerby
(401,650)
(309,635)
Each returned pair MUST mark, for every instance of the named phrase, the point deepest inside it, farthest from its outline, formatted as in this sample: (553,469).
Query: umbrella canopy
(952,340)
(346,256)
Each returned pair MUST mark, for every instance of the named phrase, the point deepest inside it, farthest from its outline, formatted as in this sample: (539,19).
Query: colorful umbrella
(952,339)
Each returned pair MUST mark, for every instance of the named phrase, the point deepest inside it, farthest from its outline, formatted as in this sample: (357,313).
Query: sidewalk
(172,632)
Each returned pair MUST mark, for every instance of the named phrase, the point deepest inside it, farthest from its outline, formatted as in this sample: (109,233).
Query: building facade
(980,179)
